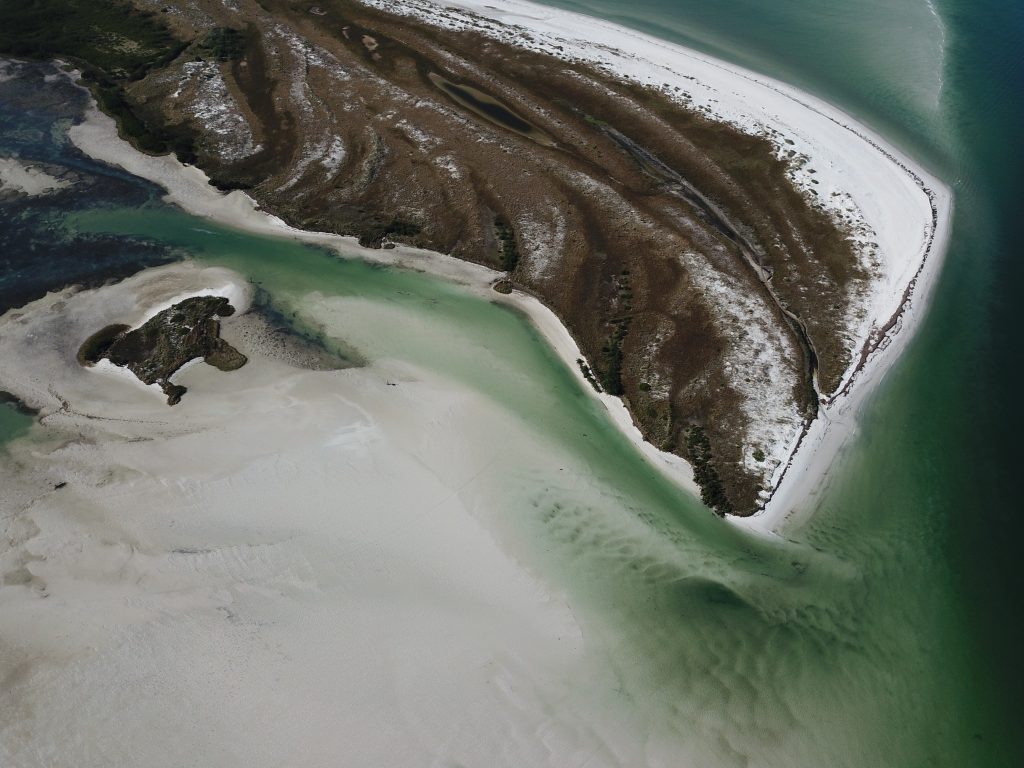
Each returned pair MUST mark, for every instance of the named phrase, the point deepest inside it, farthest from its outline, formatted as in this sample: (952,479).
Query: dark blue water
(36,254)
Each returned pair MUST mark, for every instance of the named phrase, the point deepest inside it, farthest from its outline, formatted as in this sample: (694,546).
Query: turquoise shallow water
(884,61)
(886,633)
(711,634)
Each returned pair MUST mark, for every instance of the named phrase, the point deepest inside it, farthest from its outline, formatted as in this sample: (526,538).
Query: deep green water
(887,633)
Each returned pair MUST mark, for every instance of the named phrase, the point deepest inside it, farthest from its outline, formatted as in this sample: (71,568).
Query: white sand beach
(299,549)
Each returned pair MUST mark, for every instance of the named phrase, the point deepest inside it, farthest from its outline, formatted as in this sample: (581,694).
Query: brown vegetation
(622,216)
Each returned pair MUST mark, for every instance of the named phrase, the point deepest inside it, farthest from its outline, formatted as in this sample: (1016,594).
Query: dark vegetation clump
(698,449)
(110,38)
(225,184)
(96,347)
(223,44)
(588,374)
(509,256)
(372,234)
(168,340)
(611,378)
(157,140)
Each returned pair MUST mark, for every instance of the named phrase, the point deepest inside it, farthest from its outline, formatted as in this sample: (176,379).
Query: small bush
(509,256)
(96,346)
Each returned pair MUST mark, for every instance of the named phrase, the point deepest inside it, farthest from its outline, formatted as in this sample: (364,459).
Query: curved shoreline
(813,446)
(878,353)
(912,241)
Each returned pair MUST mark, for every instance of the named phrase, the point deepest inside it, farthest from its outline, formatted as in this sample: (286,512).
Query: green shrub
(712,493)
(509,256)
(223,44)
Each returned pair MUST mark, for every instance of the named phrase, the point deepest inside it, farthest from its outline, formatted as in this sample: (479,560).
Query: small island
(156,350)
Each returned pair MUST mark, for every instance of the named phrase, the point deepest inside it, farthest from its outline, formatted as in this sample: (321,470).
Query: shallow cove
(389,313)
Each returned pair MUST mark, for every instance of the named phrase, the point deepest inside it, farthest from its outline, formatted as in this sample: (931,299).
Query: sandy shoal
(25,178)
(310,559)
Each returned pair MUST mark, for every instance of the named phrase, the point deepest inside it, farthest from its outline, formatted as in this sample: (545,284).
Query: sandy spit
(905,208)
(899,211)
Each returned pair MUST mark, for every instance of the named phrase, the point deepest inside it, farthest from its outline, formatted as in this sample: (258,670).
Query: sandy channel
(189,188)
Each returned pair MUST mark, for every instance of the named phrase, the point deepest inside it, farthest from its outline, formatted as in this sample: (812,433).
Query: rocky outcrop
(156,350)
